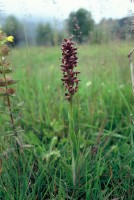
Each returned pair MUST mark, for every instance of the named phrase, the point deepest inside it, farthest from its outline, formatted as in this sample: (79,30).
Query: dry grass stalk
(131,67)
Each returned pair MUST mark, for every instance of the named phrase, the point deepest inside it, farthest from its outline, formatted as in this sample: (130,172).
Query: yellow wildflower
(10,38)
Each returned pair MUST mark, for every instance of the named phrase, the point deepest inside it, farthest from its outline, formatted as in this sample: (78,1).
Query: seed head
(69,62)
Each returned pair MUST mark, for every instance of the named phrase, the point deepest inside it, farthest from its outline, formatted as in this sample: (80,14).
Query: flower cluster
(69,62)
(10,38)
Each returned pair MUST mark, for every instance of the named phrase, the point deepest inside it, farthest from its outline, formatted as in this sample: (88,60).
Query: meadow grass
(103,122)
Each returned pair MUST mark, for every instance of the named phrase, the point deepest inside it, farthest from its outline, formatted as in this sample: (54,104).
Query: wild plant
(6,82)
(70,81)
(11,183)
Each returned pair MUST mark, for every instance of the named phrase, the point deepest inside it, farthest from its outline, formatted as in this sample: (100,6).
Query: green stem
(73,141)
(71,123)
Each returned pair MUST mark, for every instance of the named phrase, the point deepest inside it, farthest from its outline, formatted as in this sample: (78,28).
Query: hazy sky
(60,9)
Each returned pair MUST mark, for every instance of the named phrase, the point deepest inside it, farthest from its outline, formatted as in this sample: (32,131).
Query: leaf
(53,143)
(18,141)
(8,81)
(82,163)
(75,145)
(1,166)
(118,136)
(31,138)
(5,71)
(55,153)
(10,91)
(68,170)
(2,82)
(124,148)
(112,134)
(20,104)
(4,92)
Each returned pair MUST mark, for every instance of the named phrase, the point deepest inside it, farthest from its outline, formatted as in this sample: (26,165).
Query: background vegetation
(79,23)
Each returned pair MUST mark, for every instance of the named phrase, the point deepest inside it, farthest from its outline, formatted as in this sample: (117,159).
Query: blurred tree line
(80,24)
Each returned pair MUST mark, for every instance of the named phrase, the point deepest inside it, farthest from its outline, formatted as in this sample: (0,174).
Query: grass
(103,117)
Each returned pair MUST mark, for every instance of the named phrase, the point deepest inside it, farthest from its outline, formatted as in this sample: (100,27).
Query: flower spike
(69,62)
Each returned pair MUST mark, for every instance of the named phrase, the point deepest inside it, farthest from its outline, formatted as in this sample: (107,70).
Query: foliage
(13,26)
(112,29)
(80,21)
(103,123)
(45,35)
(80,24)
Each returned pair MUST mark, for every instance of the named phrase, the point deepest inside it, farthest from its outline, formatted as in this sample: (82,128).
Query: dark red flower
(69,62)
